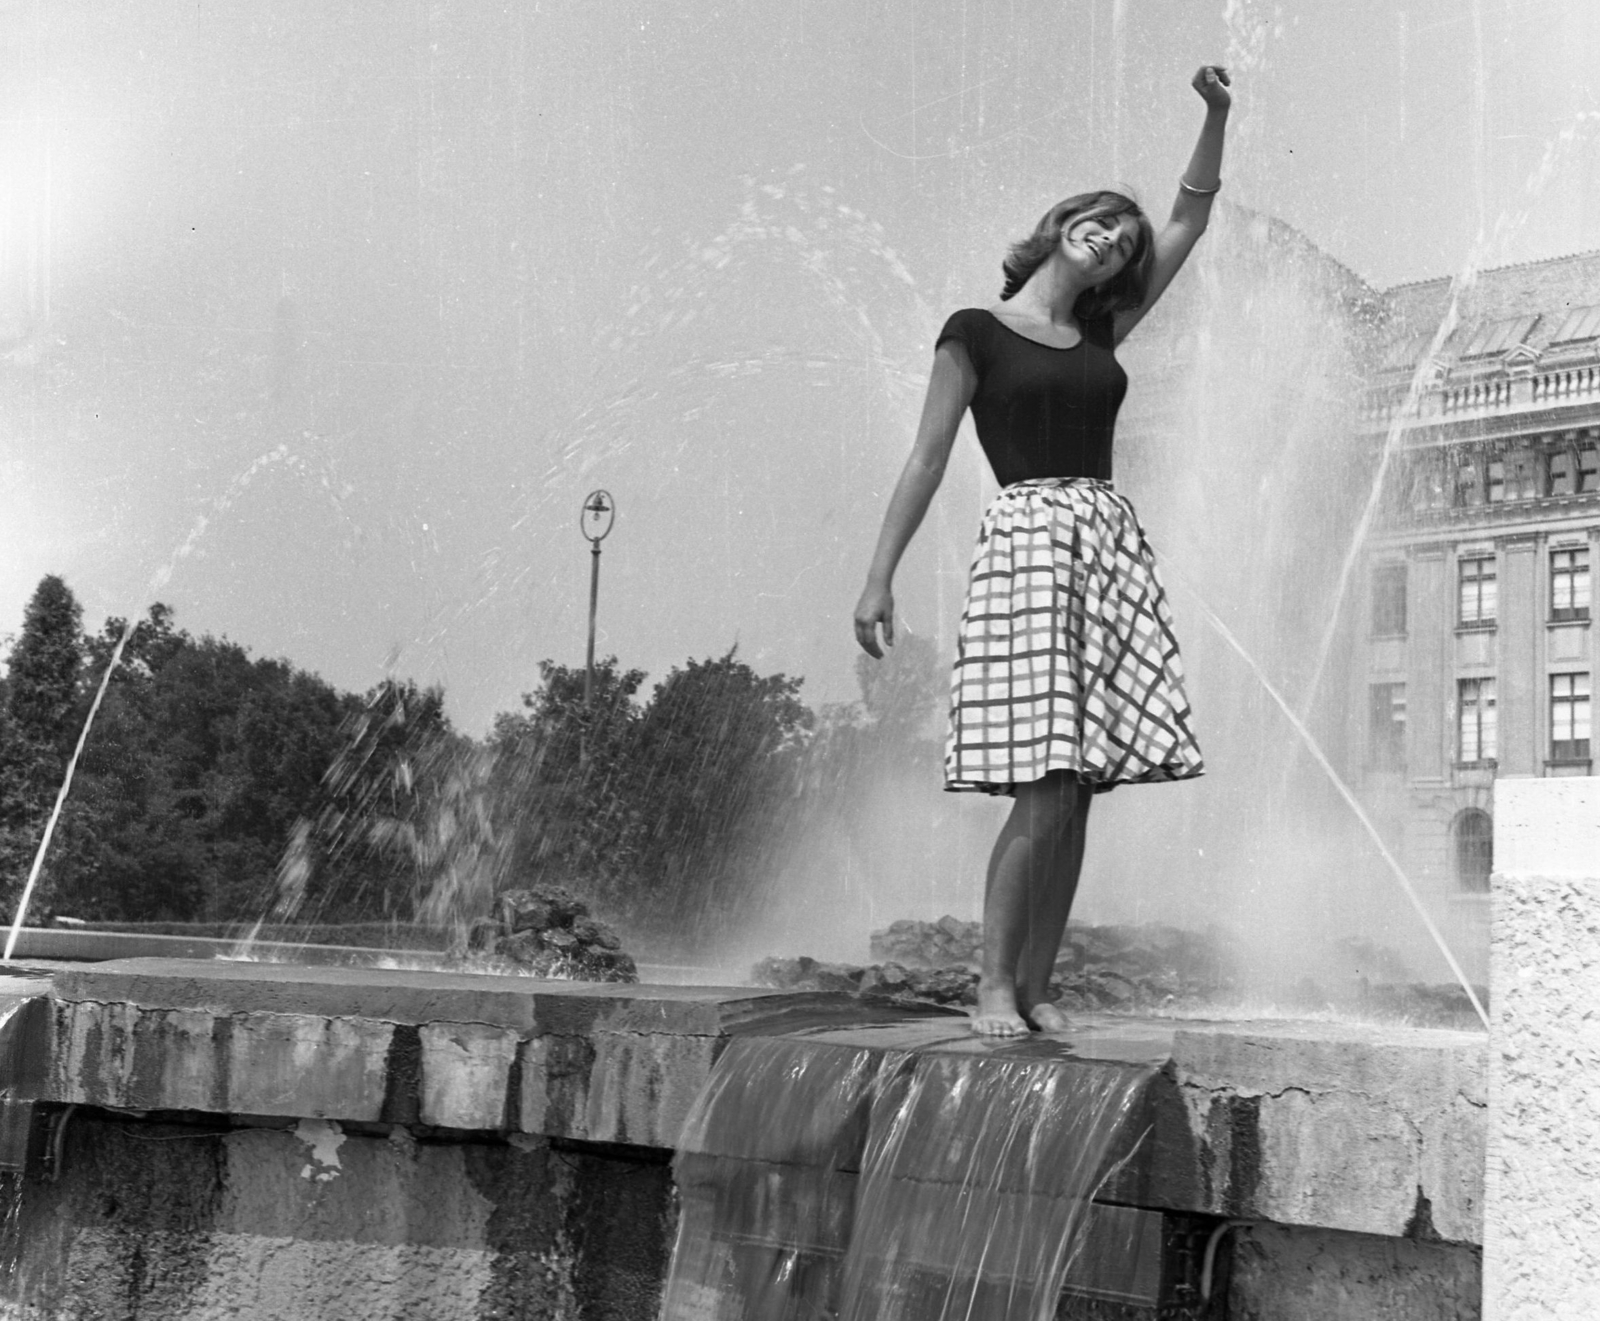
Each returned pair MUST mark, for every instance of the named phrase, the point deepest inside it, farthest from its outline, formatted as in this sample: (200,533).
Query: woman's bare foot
(1047,1018)
(996,1014)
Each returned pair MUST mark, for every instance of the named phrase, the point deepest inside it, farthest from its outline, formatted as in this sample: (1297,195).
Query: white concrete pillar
(1541,1233)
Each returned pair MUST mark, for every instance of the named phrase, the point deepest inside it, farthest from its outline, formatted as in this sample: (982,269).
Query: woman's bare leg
(1048,919)
(1033,876)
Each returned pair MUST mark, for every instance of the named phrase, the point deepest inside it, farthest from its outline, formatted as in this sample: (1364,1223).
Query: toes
(998,1025)
(1049,1019)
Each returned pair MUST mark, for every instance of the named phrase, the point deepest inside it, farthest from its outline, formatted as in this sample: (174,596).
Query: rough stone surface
(1541,1257)
(551,932)
(466,1074)
(433,1204)
(1327,1125)
(1135,969)
(590,1061)
(178,1223)
(1283,1274)
(291,1064)
(1336,1125)
(118,1054)
(1541,1252)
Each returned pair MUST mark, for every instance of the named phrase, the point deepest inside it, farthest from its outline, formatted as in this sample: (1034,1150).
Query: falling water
(158,580)
(1350,799)
(824,1180)
(61,793)
(977,1183)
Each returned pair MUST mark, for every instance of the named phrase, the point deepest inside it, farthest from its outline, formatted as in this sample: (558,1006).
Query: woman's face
(1100,245)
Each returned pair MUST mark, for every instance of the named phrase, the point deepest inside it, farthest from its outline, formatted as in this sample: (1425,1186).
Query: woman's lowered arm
(950,389)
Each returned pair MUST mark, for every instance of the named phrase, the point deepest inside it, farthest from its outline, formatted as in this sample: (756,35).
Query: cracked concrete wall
(308,1205)
(1281,1274)
(1369,1130)
(308,1222)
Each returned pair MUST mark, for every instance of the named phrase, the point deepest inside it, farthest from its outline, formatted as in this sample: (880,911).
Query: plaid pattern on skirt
(1066,659)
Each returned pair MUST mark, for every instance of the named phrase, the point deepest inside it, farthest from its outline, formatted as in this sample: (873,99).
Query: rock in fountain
(551,933)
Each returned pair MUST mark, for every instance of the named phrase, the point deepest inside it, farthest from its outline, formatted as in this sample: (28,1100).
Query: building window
(1497,481)
(1389,601)
(1569,717)
(1478,590)
(1386,726)
(1469,481)
(1474,841)
(1558,466)
(1588,463)
(1429,483)
(1569,582)
(1475,731)
(1522,482)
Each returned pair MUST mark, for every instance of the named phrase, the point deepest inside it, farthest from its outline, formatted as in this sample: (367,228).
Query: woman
(1067,679)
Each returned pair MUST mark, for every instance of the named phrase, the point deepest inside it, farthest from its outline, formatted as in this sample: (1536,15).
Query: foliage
(365,846)
(42,678)
(217,787)
(200,761)
(38,724)
(561,779)
(714,776)
(660,811)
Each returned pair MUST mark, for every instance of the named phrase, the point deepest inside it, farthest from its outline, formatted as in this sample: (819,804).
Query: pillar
(1541,1255)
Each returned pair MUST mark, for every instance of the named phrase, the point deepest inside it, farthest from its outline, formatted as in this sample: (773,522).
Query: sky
(318,323)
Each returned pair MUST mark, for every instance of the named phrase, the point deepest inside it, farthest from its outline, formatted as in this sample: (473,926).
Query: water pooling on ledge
(862,1182)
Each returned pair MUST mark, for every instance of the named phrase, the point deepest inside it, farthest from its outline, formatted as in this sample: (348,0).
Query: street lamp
(599,513)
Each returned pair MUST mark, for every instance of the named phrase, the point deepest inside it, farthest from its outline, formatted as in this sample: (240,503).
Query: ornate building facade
(1479,648)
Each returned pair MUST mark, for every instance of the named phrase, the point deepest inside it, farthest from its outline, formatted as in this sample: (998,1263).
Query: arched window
(1474,841)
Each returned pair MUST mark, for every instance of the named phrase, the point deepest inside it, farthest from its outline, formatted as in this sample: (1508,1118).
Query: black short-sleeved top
(1041,411)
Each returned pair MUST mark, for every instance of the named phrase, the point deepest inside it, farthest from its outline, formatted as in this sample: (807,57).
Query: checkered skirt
(1066,660)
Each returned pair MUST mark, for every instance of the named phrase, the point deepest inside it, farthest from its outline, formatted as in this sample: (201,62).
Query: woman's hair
(1124,291)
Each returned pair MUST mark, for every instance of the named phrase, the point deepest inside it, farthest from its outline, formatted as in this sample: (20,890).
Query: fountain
(415,312)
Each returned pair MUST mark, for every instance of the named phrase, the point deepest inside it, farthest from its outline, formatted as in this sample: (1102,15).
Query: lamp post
(599,513)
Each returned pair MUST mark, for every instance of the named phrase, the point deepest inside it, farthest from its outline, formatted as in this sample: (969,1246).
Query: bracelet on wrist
(1189,188)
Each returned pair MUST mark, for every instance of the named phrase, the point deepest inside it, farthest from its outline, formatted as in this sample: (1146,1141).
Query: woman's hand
(875,607)
(1212,82)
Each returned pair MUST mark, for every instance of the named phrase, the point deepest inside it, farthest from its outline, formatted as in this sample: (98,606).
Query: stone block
(466,1073)
(120,1055)
(1281,1273)
(643,1086)
(286,1064)
(1363,1129)
(614,1086)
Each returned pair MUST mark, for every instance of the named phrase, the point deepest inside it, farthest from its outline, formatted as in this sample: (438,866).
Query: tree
(561,779)
(38,725)
(201,761)
(714,777)
(42,677)
(368,842)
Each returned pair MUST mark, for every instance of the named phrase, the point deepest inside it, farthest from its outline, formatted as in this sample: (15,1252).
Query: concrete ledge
(89,946)
(602,1062)
(1373,1130)
(1365,1129)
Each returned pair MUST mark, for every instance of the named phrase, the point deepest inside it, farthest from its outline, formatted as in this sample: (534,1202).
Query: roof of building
(1542,304)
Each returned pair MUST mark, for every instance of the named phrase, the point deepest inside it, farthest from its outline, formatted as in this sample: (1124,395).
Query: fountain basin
(379,1143)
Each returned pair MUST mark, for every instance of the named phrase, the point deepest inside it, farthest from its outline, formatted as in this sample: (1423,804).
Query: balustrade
(1568,383)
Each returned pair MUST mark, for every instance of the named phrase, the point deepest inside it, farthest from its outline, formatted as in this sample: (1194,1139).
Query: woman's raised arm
(1197,186)
(950,389)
